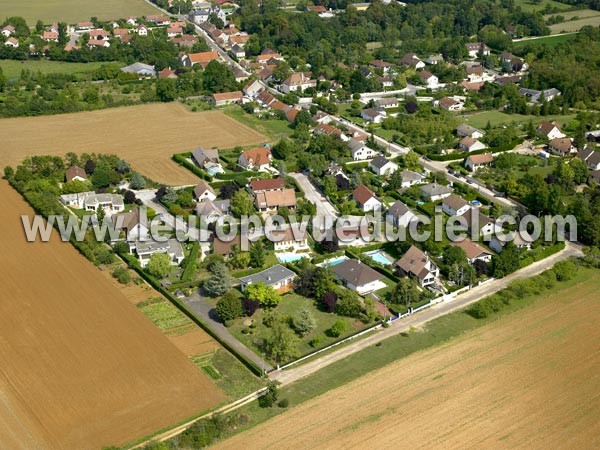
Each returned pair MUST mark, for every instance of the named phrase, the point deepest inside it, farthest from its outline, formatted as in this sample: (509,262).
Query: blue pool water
(334,261)
(290,257)
(381,257)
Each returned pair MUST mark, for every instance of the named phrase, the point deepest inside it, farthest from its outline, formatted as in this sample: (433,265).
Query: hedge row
(463,155)
(134,265)
(181,159)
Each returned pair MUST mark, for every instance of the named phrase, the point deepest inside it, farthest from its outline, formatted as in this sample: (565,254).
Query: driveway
(205,312)
(324,207)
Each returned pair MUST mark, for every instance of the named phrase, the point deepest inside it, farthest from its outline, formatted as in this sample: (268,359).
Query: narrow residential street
(324,207)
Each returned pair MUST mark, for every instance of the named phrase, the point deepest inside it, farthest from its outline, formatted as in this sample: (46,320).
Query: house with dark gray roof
(278,277)
(400,215)
(434,192)
(383,166)
(358,276)
(140,69)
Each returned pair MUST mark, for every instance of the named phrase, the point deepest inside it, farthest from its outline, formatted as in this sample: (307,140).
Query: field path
(146,136)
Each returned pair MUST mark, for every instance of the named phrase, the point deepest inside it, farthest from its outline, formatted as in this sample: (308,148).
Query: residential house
(269,201)
(145,250)
(329,130)
(383,166)
(433,192)
(428,79)
(590,156)
(450,104)
(142,30)
(410,178)
(75,173)
(84,26)
(455,205)
(474,73)
(210,211)
(465,130)
(366,199)
(253,88)
(360,151)
(298,82)
(539,96)
(226,248)
(358,276)
(237,51)
(412,60)
(379,64)
(476,162)
(203,191)
(269,184)
(471,145)
(387,102)
(8,31)
(159,20)
(226,98)
(416,264)
(400,215)
(12,42)
(168,73)
(258,158)
(373,115)
(507,79)
(174,31)
(290,240)
(100,35)
(132,21)
(476,48)
(435,59)
(549,130)
(202,58)
(521,240)
(202,156)
(472,86)
(278,277)
(140,69)
(50,36)
(95,43)
(478,221)
(561,146)
(186,40)
(474,251)
(133,224)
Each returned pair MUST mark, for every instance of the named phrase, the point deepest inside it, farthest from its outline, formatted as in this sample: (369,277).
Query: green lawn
(528,5)
(552,41)
(570,26)
(274,129)
(12,68)
(291,305)
(495,118)
(72,11)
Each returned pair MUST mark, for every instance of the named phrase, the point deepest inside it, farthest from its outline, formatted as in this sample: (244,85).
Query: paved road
(419,319)
(324,207)
(198,305)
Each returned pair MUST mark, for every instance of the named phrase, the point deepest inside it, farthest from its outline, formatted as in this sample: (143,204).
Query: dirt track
(146,136)
(80,366)
(529,380)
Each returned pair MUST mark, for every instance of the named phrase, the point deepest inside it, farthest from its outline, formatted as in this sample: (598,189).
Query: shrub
(229,307)
(337,329)
(270,397)
(316,341)
(283,403)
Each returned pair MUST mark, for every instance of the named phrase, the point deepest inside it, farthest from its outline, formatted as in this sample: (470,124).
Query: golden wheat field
(80,366)
(146,136)
(528,380)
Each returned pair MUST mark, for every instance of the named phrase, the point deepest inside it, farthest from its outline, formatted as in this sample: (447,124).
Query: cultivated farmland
(81,367)
(72,11)
(146,136)
(529,379)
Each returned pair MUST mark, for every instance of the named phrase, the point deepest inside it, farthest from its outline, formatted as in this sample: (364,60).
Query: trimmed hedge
(463,155)
(181,159)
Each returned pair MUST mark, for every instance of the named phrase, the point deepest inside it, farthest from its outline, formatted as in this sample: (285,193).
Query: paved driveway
(324,207)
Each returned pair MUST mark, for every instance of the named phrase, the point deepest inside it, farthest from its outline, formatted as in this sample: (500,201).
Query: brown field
(146,136)
(528,380)
(80,366)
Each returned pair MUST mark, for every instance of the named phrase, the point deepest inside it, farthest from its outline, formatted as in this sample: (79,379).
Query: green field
(72,11)
(13,68)
(552,41)
(528,5)
(275,129)
(480,119)
(571,26)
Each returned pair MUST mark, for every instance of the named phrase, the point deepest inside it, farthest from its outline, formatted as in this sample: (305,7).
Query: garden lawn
(529,5)
(290,306)
(274,129)
(495,118)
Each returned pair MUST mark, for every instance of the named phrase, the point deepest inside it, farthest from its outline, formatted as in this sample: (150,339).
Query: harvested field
(529,380)
(72,11)
(575,25)
(80,366)
(146,136)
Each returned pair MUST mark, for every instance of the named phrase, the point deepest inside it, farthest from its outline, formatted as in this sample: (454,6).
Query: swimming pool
(290,257)
(333,261)
(381,257)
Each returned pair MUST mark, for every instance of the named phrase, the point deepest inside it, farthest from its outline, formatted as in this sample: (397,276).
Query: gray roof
(379,161)
(398,209)
(269,276)
(200,155)
(355,272)
(172,246)
(139,67)
(435,189)
(355,145)
(386,101)
(467,130)
(207,207)
(409,175)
